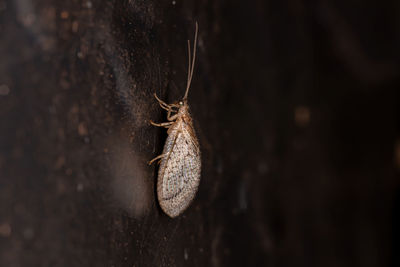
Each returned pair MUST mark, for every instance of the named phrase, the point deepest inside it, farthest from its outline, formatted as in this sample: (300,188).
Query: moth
(180,162)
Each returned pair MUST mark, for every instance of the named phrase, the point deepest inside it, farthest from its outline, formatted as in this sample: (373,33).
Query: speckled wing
(179,172)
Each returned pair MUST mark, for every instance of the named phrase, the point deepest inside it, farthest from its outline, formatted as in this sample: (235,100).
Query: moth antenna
(191,64)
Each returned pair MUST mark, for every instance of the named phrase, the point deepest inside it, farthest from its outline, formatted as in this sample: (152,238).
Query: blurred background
(295,104)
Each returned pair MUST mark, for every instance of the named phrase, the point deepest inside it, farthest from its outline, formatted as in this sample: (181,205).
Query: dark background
(295,105)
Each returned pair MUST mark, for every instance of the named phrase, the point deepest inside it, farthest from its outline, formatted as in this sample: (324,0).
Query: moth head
(183,107)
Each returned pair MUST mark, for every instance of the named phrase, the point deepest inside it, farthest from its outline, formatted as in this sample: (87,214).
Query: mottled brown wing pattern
(179,172)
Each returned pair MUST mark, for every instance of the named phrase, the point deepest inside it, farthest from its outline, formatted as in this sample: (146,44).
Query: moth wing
(179,172)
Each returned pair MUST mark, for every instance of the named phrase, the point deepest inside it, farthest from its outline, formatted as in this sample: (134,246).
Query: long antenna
(191,64)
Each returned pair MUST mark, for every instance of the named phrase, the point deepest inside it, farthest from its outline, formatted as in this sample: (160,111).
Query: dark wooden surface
(295,104)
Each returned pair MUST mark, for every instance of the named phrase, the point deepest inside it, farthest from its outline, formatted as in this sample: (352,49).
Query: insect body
(180,166)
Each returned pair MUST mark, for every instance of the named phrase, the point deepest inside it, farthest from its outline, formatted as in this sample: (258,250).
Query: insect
(180,163)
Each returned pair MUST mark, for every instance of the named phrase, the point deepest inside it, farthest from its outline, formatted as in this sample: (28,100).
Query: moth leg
(167,108)
(156,158)
(174,106)
(160,101)
(163,104)
(163,124)
(173,117)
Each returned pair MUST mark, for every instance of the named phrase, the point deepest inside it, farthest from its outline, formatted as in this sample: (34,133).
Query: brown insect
(180,163)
